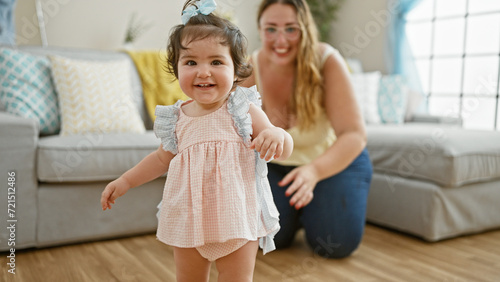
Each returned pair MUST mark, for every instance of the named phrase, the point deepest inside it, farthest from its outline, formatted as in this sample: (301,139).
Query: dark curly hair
(209,26)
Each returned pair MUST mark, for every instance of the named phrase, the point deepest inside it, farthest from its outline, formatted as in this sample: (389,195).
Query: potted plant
(324,13)
(135,29)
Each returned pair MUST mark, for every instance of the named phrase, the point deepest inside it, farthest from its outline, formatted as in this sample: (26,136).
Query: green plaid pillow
(392,99)
(26,89)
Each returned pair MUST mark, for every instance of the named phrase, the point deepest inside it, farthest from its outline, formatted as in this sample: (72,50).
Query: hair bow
(204,7)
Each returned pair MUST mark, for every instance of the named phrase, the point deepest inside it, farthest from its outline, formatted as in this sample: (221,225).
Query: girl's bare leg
(190,266)
(239,265)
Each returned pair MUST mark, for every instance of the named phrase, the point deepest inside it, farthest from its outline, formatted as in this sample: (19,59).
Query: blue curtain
(7,33)
(398,52)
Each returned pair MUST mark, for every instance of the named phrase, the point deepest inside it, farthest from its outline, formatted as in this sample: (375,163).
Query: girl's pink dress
(217,196)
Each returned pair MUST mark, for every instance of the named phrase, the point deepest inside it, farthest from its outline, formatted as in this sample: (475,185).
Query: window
(456,48)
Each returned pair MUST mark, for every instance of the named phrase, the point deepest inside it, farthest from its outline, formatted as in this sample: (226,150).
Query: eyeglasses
(290,32)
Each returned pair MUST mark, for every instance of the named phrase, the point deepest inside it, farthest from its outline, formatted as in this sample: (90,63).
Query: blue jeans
(334,220)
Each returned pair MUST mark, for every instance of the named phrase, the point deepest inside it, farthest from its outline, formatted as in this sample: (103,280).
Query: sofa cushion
(445,155)
(366,86)
(95,97)
(93,157)
(392,99)
(27,90)
(97,56)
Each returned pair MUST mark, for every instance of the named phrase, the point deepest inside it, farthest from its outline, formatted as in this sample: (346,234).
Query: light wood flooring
(384,255)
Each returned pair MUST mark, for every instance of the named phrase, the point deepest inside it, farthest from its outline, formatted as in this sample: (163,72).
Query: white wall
(26,23)
(101,24)
(96,23)
(360,32)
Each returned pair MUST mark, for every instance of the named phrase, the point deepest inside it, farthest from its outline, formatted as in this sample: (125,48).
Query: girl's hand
(269,143)
(113,190)
(304,180)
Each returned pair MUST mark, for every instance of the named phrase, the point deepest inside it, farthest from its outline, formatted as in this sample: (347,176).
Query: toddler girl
(217,204)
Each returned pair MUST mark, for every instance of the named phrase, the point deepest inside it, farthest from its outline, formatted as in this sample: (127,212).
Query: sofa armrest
(14,125)
(18,146)
(426,118)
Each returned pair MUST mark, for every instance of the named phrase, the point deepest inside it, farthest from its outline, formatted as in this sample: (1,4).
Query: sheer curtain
(399,59)
(7,33)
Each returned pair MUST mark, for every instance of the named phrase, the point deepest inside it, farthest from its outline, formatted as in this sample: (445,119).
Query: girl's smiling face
(206,71)
(280,32)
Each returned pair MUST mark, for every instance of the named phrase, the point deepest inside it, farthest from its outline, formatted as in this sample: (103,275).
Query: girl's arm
(151,167)
(270,141)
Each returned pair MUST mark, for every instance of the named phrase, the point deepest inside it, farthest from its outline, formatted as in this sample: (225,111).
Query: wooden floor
(383,256)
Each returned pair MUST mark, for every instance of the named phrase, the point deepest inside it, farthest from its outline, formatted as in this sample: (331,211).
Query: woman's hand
(304,179)
(113,190)
(269,143)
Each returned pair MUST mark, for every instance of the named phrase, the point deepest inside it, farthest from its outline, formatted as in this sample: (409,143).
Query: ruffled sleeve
(164,126)
(268,211)
(238,106)
(252,95)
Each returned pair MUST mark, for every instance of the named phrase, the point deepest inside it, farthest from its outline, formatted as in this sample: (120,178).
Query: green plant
(324,13)
(135,28)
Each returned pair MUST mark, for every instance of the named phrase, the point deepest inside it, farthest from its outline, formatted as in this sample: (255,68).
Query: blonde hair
(307,101)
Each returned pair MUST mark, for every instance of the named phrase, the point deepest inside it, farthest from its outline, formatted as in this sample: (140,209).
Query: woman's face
(280,33)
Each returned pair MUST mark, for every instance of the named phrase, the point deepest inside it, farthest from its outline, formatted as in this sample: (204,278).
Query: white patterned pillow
(366,87)
(392,99)
(95,96)
(27,90)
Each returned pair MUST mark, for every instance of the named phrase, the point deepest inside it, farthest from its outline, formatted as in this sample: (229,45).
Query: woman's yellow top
(307,144)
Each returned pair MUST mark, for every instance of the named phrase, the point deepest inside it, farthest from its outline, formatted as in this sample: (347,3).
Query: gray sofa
(434,180)
(425,184)
(59,180)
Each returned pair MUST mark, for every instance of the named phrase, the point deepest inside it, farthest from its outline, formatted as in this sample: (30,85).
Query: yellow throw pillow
(158,86)
(95,96)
